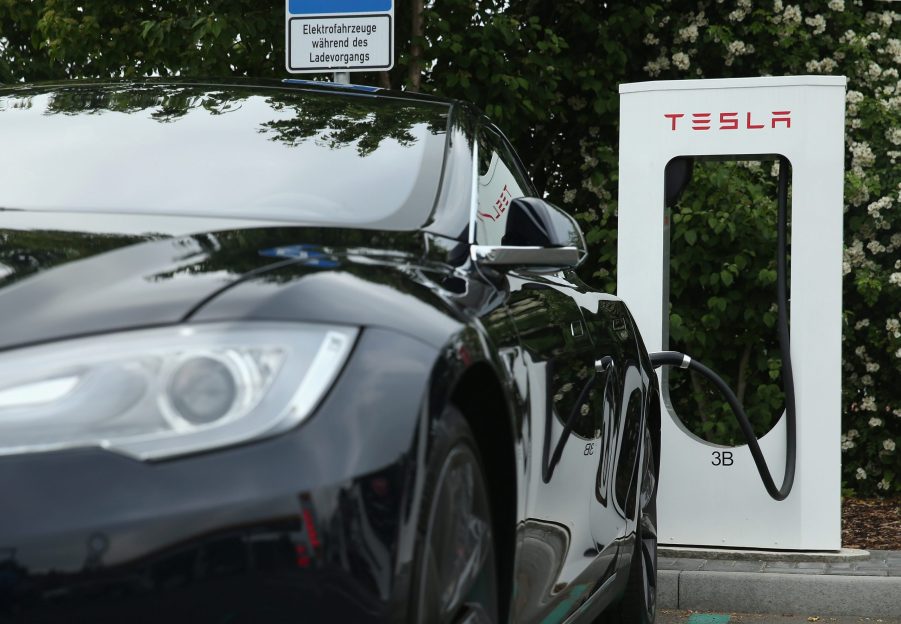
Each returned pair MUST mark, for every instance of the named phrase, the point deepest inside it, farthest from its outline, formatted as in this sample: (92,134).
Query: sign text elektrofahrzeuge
(333,43)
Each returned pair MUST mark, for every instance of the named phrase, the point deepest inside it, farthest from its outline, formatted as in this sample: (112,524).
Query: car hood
(63,277)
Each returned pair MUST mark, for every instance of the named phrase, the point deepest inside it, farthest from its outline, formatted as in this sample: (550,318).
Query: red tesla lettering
(503,202)
(751,126)
(700,121)
(310,526)
(673,117)
(728,121)
(303,559)
(784,117)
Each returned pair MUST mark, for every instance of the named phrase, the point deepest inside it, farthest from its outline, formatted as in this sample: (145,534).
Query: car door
(558,566)
(621,412)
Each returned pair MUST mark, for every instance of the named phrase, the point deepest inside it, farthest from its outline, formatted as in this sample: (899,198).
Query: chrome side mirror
(537,233)
(557,257)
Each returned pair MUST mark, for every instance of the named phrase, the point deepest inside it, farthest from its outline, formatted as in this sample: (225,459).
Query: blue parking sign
(334,7)
(339,35)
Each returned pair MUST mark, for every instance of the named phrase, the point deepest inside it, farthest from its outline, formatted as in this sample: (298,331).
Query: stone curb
(751,592)
(713,554)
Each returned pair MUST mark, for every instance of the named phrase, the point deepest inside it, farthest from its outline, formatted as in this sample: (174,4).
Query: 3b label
(722,458)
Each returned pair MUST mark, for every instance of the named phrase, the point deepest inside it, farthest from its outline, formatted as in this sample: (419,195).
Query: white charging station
(702,499)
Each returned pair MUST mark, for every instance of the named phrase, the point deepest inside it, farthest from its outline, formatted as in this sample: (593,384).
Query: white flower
(792,13)
(818,22)
(847,444)
(883,203)
(836,5)
(875,247)
(893,327)
(656,66)
(826,66)
(874,71)
(777,6)
(689,33)
(650,39)
(875,422)
(866,380)
(737,48)
(893,49)
(893,135)
(681,60)
(861,474)
(853,433)
(861,156)
(895,279)
(862,323)
(737,15)
(883,485)
(872,367)
(868,404)
(888,444)
(854,97)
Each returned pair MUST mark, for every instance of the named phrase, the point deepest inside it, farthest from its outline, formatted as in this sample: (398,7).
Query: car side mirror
(537,233)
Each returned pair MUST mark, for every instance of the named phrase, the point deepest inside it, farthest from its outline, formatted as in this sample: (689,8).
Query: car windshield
(249,152)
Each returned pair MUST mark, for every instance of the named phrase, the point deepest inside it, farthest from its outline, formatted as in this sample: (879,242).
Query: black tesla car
(291,352)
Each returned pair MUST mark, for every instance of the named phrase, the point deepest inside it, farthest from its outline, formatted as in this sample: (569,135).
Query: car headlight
(164,392)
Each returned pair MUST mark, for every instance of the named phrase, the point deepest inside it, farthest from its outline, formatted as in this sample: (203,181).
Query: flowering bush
(719,39)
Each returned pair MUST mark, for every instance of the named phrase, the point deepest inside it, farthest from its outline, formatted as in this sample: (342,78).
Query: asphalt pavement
(690,617)
(865,584)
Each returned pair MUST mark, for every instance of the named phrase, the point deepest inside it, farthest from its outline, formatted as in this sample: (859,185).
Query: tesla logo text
(500,206)
(728,121)
(722,458)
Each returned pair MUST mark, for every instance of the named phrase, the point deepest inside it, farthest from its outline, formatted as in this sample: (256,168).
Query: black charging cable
(674,358)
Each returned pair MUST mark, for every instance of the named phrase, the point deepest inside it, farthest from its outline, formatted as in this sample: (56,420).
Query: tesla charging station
(710,495)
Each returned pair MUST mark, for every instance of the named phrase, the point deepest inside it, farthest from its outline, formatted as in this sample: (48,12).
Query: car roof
(288,84)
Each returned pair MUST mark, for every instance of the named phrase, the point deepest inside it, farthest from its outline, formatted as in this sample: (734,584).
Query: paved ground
(689,617)
(879,563)
(751,582)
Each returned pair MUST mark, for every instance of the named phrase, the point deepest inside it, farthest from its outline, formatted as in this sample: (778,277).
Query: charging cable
(674,358)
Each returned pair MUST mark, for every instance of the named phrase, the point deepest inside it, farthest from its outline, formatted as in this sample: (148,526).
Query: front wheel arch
(478,394)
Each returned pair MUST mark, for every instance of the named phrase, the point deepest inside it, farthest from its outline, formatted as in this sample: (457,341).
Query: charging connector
(674,358)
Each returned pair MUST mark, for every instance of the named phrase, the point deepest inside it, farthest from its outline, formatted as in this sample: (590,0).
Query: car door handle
(578,331)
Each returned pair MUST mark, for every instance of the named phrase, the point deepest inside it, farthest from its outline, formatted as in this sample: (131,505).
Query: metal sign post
(339,36)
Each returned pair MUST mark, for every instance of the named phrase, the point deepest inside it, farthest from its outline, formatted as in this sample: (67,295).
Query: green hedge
(548,73)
